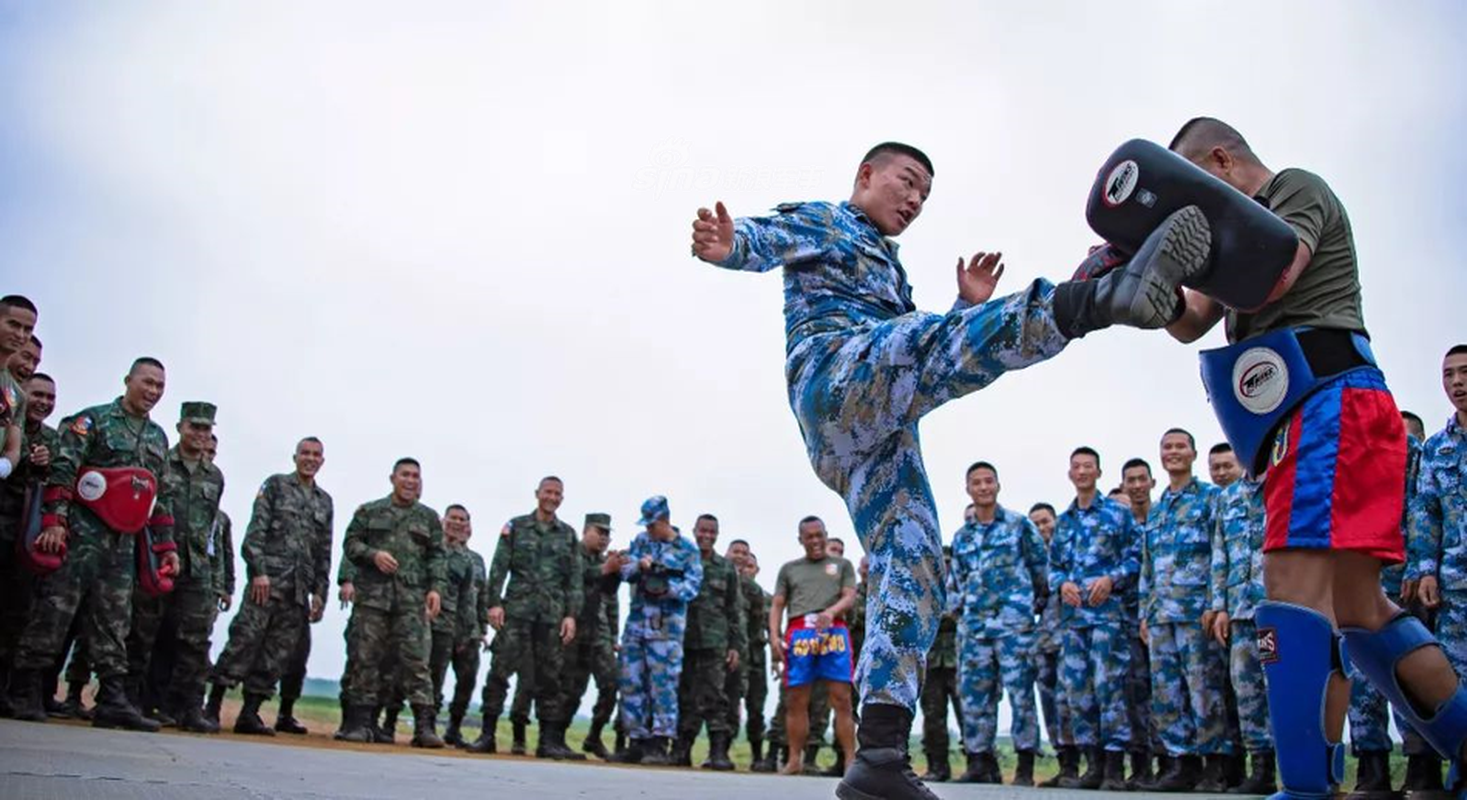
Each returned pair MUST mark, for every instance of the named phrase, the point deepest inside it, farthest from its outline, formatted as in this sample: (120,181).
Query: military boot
(72,707)
(1214,775)
(248,722)
(1181,775)
(1372,776)
(454,736)
(1237,770)
(1114,779)
(1024,774)
(386,732)
(1094,771)
(191,717)
(114,711)
(770,762)
(25,696)
(1069,766)
(356,724)
(718,759)
(940,768)
(517,747)
(215,703)
(654,752)
(486,743)
(682,751)
(756,750)
(552,743)
(1141,774)
(425,728)
(883,768)
(1261,780)
(285,721)
(630,754)
(593,743)
(1423,776)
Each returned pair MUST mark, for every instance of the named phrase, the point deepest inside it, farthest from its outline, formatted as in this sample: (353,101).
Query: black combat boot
(593,743)
(1262,780)
(248,722)
(72,707)
(1094,771)
(425,728)
(285,721)
(1373,776)
(386,732)
(682,751)
(769,762)
(356,724)
(454,736)
(25,696)
(1114,779)
(1181,775)
(1237,770)
(654,752)
(191,717)
(630,754)
(552,743)
(517,747)
(114,711)
(1068,757)
(718,759)
(883,768)
(974,772)
(1214,775)
(1024,774)
(991,772)
(486,743)
(1141,774)
(756,750)
(215,703)
(1423,775)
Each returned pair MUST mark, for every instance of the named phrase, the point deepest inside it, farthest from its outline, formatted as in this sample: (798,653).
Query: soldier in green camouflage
(749,686)
(460,629)
(715,639)
(287,555)
(197,487)
(103,492)
(593,653)
(17,584)
(534,617)
(17,321)
(939,692)
(396,544)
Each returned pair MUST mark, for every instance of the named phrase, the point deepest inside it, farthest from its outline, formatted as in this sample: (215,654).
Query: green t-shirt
(1327,293)
(809,587)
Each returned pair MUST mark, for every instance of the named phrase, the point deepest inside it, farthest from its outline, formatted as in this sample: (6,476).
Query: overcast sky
(460,231)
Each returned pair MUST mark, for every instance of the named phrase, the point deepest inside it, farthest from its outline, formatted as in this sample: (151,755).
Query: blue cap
(653,509)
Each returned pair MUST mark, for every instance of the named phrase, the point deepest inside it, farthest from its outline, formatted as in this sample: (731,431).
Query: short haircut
(312,440)
(11,301)
(1191,440)
(406,460)
(36,340)
(144,361)
(743,542)
(1457,350)
(1115,491)
(549,478)
(837,540)
(899,149)
(1134,463)
(457,507)
(1220,448)
(1043,507)
(708,517)
(1085,450)
(1201,134)
(810,519)
(1411,417)
(41,376)
(977,465)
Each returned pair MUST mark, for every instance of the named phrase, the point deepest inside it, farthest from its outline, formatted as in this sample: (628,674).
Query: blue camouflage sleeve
(1059,558)
(1130,565)
(1424,536)
(685,587)
(798,233)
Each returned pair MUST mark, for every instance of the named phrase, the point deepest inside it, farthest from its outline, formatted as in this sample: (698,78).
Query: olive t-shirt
(1327,293)
(809,587)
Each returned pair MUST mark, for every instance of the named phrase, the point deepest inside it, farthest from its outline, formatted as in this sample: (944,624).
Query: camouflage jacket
(542,562)
(289,538)
(1237,549)
(1392,575)
(459,607)
(26,474)
(12,403)
(995,569)
(413,535)
(600,617)
(196,491)
(1177,564)
(756,620)
(221,554)
(718,616)
(665,616)
(106,436)
(857,623)
(1090,543)
(1051,630)
(1438,539)
(944,652)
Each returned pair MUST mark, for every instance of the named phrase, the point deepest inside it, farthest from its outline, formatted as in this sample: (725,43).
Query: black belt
(1330,351)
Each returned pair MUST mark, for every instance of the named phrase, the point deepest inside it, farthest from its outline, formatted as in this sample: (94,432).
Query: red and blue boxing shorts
(1336,475)
(812,655)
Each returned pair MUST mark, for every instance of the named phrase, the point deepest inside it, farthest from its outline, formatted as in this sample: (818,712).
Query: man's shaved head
(1201,134)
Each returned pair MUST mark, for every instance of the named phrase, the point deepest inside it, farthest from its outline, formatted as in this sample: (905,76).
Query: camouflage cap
(197,412)
(653,509)
(602,521)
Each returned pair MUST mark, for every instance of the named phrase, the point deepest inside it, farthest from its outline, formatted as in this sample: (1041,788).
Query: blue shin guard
(1299,651)
(1377,653)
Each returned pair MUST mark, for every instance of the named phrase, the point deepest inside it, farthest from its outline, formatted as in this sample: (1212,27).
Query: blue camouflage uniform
(1186,670)
(1144,736)
(863,367)
(652,641)
(1237,587)
(996,566)
(1052,702)
(1091,543)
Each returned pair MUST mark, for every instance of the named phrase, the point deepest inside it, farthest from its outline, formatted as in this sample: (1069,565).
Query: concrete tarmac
(56,761)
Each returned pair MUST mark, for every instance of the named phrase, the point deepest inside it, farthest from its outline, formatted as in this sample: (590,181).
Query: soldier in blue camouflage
(665,572)
(1236,589)
(461,628)
(1137,484)
(1436,543)
(1048,639)
(1094,558)
(1223,469)
(863,367)
(998,581)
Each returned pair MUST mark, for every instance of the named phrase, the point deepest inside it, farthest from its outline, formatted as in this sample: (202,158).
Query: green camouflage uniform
(941,688)
(389,615)
(593,653)
(751,686)
(289,542)
(717,623)
(460,624)
(17,585)
(542,563)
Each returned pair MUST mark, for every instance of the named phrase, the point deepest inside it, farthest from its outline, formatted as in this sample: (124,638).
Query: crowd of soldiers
(1127,613)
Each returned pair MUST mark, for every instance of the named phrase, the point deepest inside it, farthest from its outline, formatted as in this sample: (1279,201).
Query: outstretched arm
(758,244)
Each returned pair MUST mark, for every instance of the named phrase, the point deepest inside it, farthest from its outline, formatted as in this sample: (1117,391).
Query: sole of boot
(125,725)
(1180,251)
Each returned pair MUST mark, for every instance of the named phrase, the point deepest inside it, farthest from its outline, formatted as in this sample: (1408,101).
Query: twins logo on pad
(1267,640)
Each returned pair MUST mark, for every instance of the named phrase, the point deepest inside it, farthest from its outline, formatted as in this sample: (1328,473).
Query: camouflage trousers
(1093,674)
(819,715)
(1145,738)
(702,696)
(78,666)
(374,633)
(1186,690)
(1052,699)
(755,686)
(17,591)
(939,691)
(533,652)
(585,661)
(293,680)
(463,656)
(95,581)
(1249,686)
(858,395)
(650,669)
(987,668)
(263,640)
(188,613)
